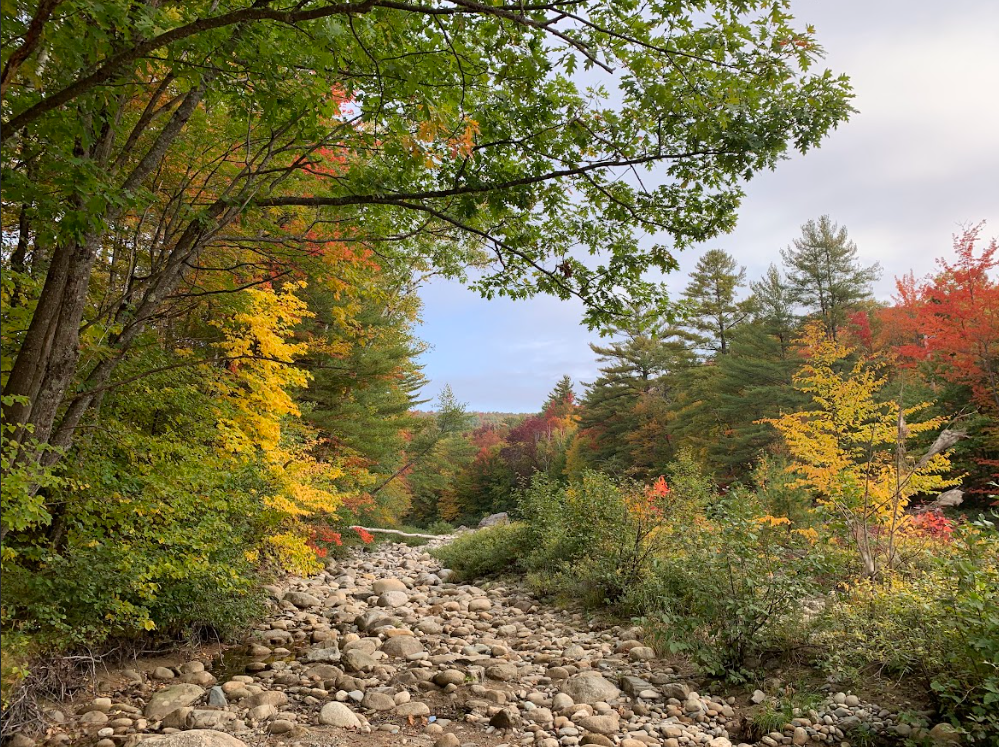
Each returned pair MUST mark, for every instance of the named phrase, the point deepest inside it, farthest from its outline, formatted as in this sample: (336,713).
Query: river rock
(267,697)
(377,701)
(194,738)
(393,599)
(589,687)
(388,584)
(171,698)
(302,600)
(216,698)
(206,719)
(449,677)
(177,719)
(337,714)
(402,646)
(608,723)
(356,660)
(495,520)
(326,655)
(633,685)
(502,672)
(641,653)
(414,708)
(502,719)
(262,712)
(479,604)
(281,726)
(944,734)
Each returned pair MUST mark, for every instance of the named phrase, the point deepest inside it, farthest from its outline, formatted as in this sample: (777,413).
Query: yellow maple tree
(258,343)
(850,447)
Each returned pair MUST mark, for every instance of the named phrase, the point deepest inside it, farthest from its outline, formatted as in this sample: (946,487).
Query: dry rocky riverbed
(383,650)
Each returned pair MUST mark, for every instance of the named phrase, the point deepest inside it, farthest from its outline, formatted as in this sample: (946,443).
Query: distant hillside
(479,419)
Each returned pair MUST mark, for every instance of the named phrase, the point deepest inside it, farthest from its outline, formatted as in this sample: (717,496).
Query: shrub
(486,551)
(156,532)
(599,534)
(940,624)
(779,491)
(689,484)
(571,523)
(441,527)
(729,590)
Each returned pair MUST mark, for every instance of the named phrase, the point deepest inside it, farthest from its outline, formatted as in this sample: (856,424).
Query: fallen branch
(396,531)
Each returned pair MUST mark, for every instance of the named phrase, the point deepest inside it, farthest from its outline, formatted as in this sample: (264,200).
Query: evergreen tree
(714,309)
(432,478)
(824,273)
(773,307)
(365,378)
(622,405)
(715,415)
(562,398)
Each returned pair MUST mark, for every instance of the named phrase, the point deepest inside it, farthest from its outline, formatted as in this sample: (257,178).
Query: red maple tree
(950,320)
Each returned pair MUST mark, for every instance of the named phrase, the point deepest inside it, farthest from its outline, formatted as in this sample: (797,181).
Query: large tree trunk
(47,362)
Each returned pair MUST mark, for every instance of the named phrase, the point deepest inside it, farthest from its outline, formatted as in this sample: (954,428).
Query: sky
(919,161)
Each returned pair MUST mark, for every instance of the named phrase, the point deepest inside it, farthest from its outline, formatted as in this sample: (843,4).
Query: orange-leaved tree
(946,327)
(849,447)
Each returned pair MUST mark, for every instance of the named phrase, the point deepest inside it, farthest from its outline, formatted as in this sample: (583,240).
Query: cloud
(916,163)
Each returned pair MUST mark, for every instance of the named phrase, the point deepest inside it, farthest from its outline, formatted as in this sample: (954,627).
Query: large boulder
(388,584)
(302,600)
(169,699)
(337,714)
(495,520)
(590,687)
(194,738)
(402,646)
(393,599)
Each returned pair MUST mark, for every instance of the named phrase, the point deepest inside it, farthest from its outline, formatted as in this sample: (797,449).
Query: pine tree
(824,273)
(365,378)
(621,412)
(561,397)
(773,307)
(711,295)
(715,414)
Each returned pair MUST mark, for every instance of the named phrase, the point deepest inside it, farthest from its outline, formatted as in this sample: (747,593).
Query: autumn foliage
(949,322)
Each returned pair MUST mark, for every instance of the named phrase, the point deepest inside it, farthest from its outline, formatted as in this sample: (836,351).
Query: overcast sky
(919,160)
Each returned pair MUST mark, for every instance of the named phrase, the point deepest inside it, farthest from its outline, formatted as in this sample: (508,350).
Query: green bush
(689,484)
(571,523)
(152,534)
(728,591)
(779,491)
(595,533)
(486,551)
(440,527)
(939,624)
